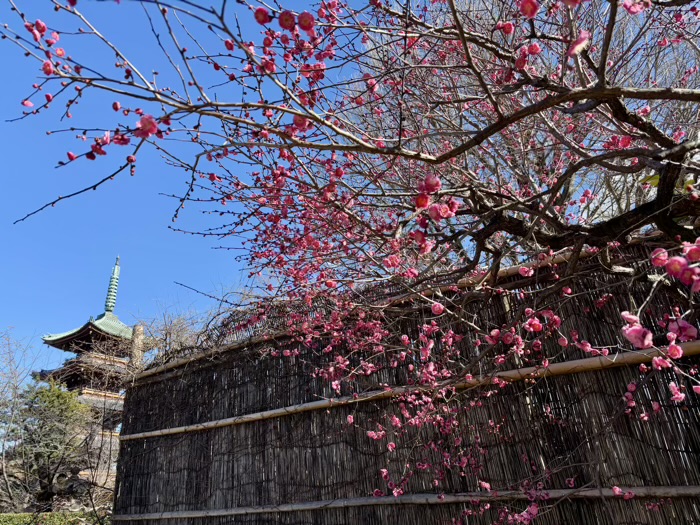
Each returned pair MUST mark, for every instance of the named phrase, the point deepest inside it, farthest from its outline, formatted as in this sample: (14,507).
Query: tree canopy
(45,444)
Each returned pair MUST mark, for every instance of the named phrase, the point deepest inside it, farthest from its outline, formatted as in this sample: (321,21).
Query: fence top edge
(511,271)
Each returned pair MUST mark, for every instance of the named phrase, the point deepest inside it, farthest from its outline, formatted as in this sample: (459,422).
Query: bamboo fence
(235,435)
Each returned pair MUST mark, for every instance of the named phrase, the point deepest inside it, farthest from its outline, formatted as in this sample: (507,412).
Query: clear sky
(56,265)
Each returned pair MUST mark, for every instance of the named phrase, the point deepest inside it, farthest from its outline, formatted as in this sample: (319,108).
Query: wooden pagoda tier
(91,369)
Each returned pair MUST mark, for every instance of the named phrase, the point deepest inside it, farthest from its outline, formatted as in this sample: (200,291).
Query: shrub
(53,518)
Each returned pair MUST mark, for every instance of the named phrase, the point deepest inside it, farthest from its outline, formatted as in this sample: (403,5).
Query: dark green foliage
(46,440)
(53,518)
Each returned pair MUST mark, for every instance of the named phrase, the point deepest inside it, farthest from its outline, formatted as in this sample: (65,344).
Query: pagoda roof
(106,325)
(103,327)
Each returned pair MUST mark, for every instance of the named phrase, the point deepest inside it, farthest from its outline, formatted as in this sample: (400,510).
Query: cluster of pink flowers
(526,51)
(526,271)
(634,7)
(617,491)
(287,19)
(681,267)
(508,28)
(616,142)
(439,211)
(635,333)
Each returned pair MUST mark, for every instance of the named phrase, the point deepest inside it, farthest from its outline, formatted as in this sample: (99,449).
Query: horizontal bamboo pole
(416,499)
(533,372)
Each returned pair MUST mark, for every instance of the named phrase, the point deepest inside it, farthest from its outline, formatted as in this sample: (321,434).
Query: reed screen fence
(240,434)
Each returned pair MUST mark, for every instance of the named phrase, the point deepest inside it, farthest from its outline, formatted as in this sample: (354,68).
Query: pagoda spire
(111,300)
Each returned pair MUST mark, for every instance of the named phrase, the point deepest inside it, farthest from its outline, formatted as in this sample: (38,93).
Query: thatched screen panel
(317,456)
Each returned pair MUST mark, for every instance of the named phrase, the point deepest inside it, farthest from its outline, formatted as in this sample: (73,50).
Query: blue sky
(56,265)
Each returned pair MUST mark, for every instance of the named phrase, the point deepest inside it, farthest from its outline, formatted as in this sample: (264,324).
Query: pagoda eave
(104,328)
(86,366)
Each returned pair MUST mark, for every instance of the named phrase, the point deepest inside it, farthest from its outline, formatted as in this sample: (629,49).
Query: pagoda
(106,353)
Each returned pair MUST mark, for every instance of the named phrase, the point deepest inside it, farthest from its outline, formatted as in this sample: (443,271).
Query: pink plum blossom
(508,28)
(634,7)
(287,20)
(432,184)
(529,8)
(147,126)
(262,16)
(579,44)
(534,49)
(639,336)
(306,21)
(676,394)
(676,265)
(674,352)
(533,325)
(659,363)
(422,201)
(392,261)
(659,257)
(526,272)
(41,27)
(689,275)
(437,308)
(494,337)
(629,318)
(683,329)
(692,253)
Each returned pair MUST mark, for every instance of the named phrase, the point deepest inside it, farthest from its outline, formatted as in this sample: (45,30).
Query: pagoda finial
(111,300)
